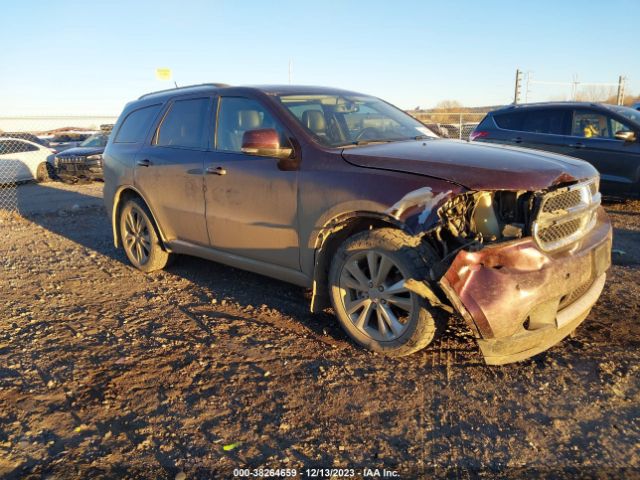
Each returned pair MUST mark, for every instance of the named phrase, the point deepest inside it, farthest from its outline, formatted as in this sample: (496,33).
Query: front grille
(566,215)
(558,231)
(72,159)
(562,201)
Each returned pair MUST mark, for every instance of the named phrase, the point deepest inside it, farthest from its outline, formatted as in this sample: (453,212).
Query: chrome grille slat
(558,231)
(566,215)
(563,201)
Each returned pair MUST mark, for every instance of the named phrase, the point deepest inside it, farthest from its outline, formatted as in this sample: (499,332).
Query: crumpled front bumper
(519,300)
(79,170)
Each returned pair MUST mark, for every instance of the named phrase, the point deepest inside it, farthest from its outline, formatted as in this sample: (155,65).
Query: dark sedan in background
(83,162)
(607,136)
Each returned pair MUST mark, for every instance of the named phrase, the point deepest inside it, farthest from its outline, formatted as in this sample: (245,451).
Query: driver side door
(593,139)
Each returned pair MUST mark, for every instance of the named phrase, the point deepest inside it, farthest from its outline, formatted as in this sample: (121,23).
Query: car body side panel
(332,188)
(617,161)
(252,210)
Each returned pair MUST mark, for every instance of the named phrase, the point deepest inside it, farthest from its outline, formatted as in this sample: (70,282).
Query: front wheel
(44,172)
(139,237)
(366,281)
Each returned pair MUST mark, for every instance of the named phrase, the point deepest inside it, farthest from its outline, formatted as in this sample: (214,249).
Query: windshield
(95,140)
(628,113)
(340,121)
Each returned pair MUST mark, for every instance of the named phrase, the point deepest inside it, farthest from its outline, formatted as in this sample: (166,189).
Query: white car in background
(22,160)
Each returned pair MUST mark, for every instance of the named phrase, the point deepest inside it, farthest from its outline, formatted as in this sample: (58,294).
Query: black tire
(419,325)
(145,238)
(44,173)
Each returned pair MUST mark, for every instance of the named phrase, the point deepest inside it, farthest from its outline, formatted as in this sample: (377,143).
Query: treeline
(453,106)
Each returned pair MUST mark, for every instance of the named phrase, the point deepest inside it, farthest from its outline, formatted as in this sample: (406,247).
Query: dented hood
(476,166)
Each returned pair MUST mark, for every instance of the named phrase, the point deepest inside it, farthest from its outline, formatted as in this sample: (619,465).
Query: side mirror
(265,143)
(625,135)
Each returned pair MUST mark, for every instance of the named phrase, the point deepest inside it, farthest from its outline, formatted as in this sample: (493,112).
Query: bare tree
(451,105)
(595,93)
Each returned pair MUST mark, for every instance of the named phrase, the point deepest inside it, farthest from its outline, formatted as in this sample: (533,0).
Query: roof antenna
(175,83)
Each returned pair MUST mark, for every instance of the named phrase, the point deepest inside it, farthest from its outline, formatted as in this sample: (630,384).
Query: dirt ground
(200,369)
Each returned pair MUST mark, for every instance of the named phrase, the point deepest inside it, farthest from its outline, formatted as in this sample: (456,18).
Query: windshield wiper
(383,140)
(373,140)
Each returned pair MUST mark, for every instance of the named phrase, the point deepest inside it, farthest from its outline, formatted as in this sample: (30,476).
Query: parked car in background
(82,162)
(64,141)
(353,198)
(23,160)
(636,106)
(607,136)
(26,136)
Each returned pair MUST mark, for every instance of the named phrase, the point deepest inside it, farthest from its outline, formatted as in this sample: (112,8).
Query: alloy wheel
(374,296)
(137,238)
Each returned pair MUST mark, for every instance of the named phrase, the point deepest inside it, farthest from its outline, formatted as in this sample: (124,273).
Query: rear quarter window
(185,125)
(552,121)
(509,121)
(136,125)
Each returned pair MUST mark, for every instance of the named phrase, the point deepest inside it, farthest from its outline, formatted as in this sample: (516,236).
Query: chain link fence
(28,146)
(450,124)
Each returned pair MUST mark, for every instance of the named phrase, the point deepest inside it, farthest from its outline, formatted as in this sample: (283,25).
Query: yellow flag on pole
(163,73)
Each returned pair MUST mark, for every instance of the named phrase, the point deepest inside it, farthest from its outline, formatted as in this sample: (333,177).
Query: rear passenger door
(544,128)
(169,169)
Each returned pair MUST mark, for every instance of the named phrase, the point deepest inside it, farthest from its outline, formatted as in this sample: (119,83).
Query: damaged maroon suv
(345,194)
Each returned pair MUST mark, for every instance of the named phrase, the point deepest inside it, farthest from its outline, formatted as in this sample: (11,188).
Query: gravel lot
(108,373)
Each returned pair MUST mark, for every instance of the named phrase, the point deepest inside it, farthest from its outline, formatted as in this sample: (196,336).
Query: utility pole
(518,90)
(290,71)
(620,98)
(574,87)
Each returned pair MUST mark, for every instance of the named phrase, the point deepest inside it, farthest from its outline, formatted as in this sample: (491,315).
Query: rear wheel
(139,237)
(366,282)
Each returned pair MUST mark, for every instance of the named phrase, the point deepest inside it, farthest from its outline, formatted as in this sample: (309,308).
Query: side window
(590,124)
(545,121)
(509,121)
(136,125)
(616,126)
(185,125)
(28,147)
(16,146)
(238,115)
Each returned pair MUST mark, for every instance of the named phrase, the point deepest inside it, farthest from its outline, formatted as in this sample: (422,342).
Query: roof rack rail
(217,85)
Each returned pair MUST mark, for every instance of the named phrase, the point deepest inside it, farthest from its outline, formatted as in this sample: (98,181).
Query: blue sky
(75,57)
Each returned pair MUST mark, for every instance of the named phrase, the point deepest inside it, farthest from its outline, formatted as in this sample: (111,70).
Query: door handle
(517,140)
(216,170)
(577,145)
(144,163)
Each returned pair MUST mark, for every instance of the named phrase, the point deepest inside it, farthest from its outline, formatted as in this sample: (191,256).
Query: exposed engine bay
(472,220)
